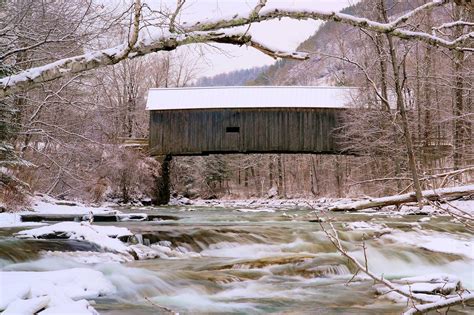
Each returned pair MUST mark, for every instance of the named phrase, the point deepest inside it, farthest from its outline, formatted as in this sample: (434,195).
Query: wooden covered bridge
(225,120)
(283,119)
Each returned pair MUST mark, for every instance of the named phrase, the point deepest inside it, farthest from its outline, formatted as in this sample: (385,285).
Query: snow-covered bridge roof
(249,97)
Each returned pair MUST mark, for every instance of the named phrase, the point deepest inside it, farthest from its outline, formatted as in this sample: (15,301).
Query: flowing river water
(258,262)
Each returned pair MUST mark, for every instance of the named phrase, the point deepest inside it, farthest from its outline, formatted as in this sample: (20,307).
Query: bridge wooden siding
(246,119)
(244,130)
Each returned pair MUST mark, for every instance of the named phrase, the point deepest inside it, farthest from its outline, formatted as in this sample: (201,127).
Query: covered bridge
(264,119)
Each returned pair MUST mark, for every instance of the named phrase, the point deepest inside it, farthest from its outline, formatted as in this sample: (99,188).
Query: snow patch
(47,205)
(255,210)
(367,226)
(60,292)
(13,220)
(104,236)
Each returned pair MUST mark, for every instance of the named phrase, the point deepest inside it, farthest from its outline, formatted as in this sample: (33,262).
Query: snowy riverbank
(43,204)
(263,204)
(393,238)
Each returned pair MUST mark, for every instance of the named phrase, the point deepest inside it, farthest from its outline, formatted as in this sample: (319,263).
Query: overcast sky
(285,34)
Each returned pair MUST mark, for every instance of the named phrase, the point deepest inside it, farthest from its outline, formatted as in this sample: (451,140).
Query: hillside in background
(233,78)
(330,40)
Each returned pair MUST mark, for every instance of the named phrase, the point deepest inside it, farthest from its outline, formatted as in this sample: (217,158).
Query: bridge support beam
(162,182)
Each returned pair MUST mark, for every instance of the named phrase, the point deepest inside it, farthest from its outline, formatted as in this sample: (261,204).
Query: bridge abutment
(162,182)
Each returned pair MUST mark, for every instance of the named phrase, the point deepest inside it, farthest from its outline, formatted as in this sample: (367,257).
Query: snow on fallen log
(437,194)
(442,303)
(106,237)
(433,289)
(57,292)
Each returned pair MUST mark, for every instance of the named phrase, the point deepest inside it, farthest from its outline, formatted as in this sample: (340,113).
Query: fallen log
(442,303)
(432,195)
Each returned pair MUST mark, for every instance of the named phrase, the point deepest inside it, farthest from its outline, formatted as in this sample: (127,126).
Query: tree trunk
(458,108)
(386,105)
(403,114)
(281,184)
(314,178)
(270,173)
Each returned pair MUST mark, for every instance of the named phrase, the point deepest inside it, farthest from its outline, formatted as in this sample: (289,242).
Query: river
(234,262)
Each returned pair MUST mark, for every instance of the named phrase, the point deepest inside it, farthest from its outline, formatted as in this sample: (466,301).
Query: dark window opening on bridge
(232,129)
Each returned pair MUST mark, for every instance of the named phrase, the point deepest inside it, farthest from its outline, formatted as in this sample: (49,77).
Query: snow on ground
(105,237)
(436,242)
(265,203)
(456,206)
(59,292)
(13,220)
(47,205)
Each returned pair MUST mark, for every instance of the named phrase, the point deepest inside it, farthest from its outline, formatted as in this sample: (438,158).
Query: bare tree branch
(209,32)
(179,6)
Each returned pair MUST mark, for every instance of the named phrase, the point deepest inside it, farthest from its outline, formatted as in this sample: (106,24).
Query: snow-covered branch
(454,24)
(425,308)
(135,32)
(275,53)
(392,28)
(32,77)
(214,31)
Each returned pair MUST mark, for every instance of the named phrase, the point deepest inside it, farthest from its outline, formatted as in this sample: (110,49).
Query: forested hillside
(233,78)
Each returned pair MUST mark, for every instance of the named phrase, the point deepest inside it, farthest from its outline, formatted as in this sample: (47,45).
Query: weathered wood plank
(269,130)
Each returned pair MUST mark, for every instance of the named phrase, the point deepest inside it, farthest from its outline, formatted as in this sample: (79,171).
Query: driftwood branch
(432,195)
